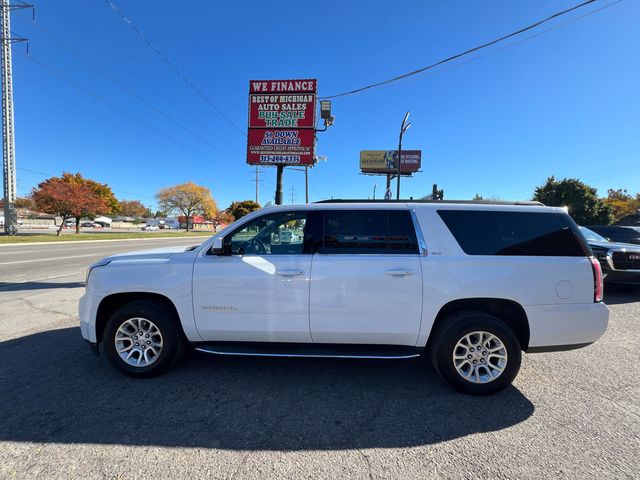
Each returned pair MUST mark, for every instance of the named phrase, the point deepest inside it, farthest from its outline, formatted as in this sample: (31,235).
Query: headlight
(101,263)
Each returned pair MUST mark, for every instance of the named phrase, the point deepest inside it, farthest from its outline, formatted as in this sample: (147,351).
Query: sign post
(282,122)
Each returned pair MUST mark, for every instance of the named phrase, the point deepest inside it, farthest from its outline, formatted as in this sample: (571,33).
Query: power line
(113,189)
(126,88)
(124,112)
(173,67)
(530,37)
(102,117)
(458,55)
(161,94)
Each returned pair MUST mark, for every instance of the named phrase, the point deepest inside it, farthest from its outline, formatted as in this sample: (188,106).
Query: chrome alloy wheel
(138,342)
(480,357)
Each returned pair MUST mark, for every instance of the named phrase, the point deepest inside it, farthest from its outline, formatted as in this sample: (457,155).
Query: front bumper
(628,277)
(87,311)
(565,326)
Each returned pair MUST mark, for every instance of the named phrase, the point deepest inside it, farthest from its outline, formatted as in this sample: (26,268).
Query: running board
(266,349)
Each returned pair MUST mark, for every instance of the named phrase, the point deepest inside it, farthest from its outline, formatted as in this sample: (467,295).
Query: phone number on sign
(289,159)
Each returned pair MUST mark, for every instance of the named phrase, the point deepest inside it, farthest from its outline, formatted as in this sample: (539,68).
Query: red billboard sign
(281,122)
(285,147)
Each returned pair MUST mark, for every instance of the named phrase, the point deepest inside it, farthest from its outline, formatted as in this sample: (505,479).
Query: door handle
(290,273)
(400,272)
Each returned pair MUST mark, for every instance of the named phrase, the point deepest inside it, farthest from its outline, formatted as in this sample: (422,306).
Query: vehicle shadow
(25,286)
(616,295)
(55,390)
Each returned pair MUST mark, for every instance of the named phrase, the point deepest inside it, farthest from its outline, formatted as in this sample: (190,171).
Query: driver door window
(279,233)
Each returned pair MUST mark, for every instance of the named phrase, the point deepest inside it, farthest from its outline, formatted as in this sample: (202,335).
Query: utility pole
(403,128)
(8,138)
(306,184)
(279,170)
(257,180)
(293,189)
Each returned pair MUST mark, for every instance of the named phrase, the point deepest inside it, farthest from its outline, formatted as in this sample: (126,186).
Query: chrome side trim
(302,355)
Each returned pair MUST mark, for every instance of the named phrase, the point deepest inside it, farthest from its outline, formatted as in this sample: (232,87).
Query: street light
(403,128)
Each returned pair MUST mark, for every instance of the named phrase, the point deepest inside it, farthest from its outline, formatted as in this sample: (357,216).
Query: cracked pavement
(64,413)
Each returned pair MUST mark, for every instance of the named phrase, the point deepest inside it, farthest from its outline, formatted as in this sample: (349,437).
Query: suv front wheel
(141,339)
(476,353)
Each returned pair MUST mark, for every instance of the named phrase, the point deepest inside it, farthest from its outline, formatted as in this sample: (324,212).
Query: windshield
(591,235)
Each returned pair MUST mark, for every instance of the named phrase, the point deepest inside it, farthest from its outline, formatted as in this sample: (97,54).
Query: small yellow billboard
(385,161)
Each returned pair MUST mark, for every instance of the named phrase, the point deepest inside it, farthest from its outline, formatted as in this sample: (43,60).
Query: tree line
(583,202)
(72,196)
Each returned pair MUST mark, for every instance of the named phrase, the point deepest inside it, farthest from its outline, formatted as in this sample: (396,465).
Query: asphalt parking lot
(64,413)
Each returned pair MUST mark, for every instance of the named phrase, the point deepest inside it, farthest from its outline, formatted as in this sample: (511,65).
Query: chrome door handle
(290,273)
(399,272)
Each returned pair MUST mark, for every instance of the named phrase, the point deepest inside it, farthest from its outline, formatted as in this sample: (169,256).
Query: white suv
(470,285)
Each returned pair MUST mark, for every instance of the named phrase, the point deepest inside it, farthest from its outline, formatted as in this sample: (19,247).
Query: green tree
(582,200)
(241,208)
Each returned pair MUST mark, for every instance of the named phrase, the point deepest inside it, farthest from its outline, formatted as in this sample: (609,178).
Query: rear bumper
(565,327)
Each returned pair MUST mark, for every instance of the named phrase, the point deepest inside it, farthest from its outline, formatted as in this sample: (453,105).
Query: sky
(563,100)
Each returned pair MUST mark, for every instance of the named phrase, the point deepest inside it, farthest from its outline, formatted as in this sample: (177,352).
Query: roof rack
(470,202)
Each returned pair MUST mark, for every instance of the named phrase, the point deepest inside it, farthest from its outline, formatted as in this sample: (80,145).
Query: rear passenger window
(514,233)
(402,232)
(355,232)
(368,232)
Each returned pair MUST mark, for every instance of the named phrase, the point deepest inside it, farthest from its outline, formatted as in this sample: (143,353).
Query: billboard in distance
(385,161)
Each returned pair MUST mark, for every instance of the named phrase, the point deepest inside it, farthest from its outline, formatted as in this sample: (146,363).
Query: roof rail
(470,202)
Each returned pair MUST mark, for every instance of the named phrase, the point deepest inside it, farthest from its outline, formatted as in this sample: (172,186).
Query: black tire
(165,323)
(452,330)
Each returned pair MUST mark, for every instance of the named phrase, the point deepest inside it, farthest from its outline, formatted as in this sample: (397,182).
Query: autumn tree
(102,190)
(622,203)
(134,208)
(582,200)
(21,202)
(242,208)
(188,199)
(222,217)
(69,198)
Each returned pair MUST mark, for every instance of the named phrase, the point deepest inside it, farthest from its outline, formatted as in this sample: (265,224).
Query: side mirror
(218,246)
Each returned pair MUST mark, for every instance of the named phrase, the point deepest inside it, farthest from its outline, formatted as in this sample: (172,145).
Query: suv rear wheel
(141,339)
(476,353)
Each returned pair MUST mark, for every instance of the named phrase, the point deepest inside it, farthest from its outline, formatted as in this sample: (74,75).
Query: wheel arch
(508,311)
(111,303)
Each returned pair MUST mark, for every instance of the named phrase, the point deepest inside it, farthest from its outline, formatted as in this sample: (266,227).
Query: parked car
(617,233)
(151,228)
(90,225)
(469,285)
(620,262)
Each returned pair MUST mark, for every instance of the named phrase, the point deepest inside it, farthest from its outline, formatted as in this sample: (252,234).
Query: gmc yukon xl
(468,285)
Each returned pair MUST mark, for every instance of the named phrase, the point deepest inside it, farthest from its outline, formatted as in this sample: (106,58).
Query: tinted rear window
(368,232)
(514,233)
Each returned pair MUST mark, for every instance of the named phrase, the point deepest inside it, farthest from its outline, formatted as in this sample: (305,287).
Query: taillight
(597,280)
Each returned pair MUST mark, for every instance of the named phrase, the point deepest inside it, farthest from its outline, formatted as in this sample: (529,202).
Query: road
(65,413)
